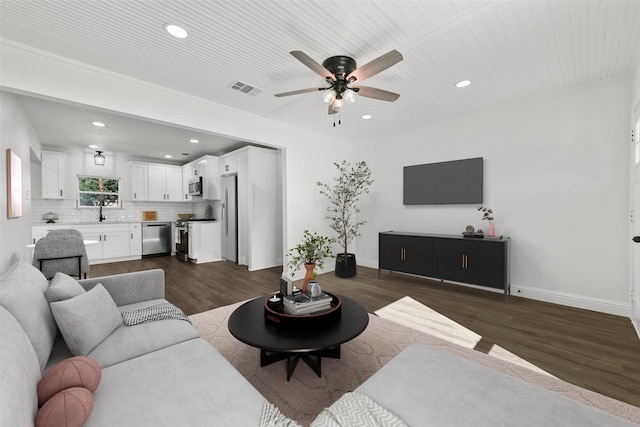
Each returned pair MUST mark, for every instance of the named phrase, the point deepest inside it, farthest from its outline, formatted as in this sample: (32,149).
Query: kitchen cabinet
(39,231)
(208,168)
(53,172)
(139,181)
(481,262)
(165,183)
(113,240)
(229,163)
(204,241)
(187,175)
(135,242)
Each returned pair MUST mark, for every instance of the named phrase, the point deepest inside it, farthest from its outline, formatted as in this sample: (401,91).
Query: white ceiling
(508,49)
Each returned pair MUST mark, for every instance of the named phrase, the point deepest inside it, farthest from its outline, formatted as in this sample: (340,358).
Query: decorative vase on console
(487,214)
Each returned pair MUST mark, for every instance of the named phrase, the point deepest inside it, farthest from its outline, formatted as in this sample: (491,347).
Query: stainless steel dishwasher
(156,238)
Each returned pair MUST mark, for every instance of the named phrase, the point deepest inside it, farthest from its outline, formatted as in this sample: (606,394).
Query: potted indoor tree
(343,195)
(310,252)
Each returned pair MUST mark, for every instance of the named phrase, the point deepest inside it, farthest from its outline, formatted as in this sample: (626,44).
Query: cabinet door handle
(131,236)
(105,237)
(135,195)
(60,193)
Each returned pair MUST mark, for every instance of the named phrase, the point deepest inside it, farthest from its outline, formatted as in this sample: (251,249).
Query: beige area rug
(306,395)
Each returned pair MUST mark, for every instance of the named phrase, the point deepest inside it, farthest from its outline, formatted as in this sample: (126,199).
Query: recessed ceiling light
(176,31)
(93,146)
(98,124)
(168,156)
(195,141)
(463,83)
(366,116)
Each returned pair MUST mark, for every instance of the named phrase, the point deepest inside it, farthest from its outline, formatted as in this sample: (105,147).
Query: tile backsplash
(130,211)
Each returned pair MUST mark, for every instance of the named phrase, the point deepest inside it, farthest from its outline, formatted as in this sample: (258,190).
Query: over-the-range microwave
(195,187)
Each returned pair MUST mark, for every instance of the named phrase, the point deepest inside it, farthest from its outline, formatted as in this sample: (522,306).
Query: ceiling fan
(340,72)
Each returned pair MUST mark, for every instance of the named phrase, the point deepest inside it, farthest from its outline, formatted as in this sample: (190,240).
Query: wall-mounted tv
(454,182)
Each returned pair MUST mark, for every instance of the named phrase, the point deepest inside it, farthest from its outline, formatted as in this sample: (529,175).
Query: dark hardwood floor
(596,351)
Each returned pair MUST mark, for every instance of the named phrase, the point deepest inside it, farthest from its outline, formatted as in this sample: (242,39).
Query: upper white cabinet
(53,172)
(206,167)
(139,181)
(187,174)
(229,162)
(165,183)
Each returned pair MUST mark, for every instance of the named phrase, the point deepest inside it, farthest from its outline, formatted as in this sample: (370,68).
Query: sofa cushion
(22,289)
(79,371)
(63,287)
(187,384)
(68,408)
(86,320)
(127,342)
(428,386)
(19,371)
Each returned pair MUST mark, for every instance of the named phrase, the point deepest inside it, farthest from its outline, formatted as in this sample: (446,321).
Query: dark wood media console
(482,262)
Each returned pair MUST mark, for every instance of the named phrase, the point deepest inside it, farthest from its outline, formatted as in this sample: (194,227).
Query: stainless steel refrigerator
(229,207)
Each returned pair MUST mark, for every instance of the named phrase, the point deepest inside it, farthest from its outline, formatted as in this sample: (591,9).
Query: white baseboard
(572,300)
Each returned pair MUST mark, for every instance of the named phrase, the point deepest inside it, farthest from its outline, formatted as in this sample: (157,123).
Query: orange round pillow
(77,371)
(69,408)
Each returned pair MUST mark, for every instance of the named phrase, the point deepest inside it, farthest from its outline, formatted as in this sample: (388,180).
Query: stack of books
(303,304)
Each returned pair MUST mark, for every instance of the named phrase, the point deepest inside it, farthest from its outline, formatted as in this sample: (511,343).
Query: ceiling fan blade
(372,92)
(313,65)
(379,64)
(299,91)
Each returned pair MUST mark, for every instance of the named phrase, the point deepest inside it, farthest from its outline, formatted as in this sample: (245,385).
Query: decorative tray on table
(276,314)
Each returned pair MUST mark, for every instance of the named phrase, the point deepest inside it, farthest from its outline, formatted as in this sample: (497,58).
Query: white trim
(572,300)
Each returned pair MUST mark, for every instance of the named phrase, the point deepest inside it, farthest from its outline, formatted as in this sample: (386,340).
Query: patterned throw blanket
(153,313)
(272,417)
(356,410)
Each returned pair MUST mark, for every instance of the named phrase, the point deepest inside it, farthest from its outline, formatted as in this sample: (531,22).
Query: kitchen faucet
(101,217)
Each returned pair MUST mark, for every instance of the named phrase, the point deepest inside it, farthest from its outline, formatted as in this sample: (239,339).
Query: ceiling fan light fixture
(328,96)
(99,159)
(349,96)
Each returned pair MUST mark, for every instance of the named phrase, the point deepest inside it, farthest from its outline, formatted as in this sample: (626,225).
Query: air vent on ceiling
(245,88)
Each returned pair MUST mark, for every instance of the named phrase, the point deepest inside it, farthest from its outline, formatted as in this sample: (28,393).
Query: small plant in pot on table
(343,196)
(310,252)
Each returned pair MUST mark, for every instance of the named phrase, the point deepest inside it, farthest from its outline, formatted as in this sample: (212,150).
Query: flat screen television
(453,182)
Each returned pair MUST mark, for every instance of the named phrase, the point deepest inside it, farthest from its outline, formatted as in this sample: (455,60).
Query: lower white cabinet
(135,241)
(113,240)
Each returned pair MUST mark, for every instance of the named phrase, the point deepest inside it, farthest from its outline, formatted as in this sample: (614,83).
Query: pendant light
(99,158)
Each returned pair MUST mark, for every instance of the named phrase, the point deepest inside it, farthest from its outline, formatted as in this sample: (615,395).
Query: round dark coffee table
(248,324)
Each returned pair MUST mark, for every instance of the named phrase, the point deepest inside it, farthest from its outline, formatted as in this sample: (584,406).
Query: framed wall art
(14,185)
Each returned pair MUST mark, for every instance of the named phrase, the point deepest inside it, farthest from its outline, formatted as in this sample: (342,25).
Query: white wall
(556,177)
(17,134)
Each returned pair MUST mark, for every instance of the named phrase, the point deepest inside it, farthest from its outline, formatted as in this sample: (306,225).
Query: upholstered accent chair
(61,251)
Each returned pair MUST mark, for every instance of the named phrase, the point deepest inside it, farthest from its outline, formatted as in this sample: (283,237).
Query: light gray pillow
(22,289)
(63,287)
(86,320)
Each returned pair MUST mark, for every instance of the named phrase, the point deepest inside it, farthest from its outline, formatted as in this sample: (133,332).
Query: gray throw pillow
(22,290)
(63,287)
(87,319)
